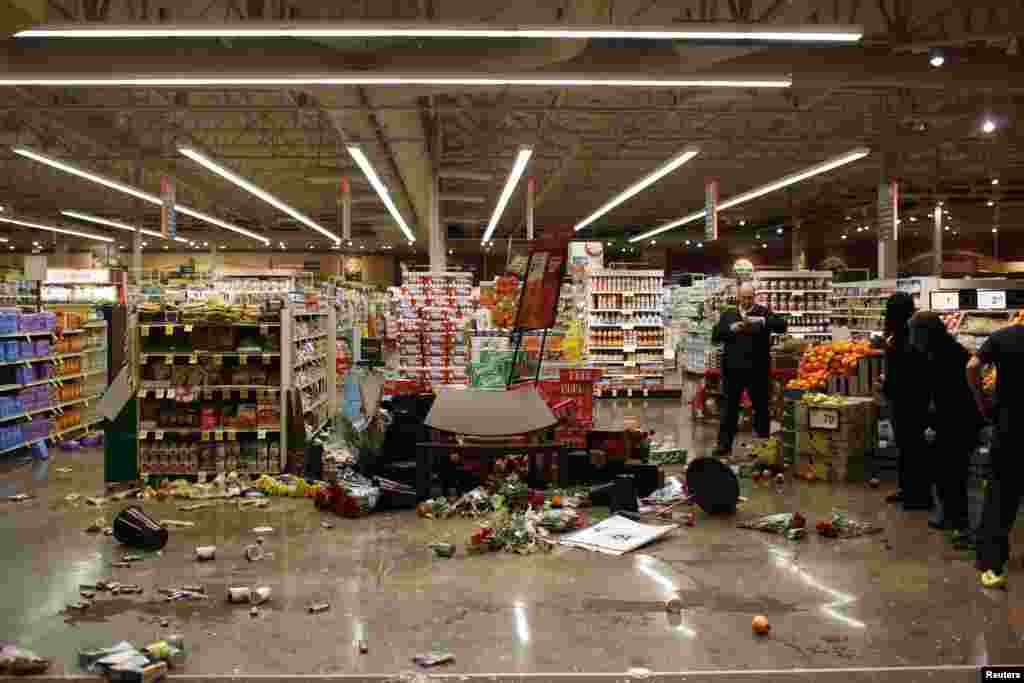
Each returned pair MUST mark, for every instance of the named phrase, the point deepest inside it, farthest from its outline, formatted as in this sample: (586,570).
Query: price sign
(945,301)
(645,393)
(615,393)
(169,360)
(629,393)
(630,363)
(823,418)
(991,300)
(169,330)
(262,434)
(193,358)
(629,348)
(188,328)
(232,436)
(218,436)
(159,436)
(627,326)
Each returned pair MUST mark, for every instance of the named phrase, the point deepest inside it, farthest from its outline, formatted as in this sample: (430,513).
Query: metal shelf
(188,354)
(41,359)
(142,391)
(52,380)
(318,335)
(54,435)
(54,406)
(215,434)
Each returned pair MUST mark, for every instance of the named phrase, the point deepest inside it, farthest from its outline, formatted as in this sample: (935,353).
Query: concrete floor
(854,610)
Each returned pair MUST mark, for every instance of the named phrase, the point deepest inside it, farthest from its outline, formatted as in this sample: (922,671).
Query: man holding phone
(745,332)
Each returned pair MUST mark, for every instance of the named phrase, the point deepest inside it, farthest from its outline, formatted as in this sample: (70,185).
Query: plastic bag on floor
(17,661)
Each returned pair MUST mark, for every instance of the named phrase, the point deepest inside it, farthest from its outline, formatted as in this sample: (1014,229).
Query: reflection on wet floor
(902,598)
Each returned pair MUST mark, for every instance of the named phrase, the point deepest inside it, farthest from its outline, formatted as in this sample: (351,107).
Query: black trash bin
(135,528)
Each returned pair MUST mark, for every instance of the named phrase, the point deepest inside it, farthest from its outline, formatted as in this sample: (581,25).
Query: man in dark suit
(746,333)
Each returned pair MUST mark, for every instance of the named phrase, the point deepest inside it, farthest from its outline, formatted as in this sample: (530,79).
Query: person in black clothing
(957,418)
(746,363)
(1005,349)
(908,397)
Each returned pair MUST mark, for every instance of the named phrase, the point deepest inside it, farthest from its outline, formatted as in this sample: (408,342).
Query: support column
(887,225)
(438,233)
(137,236)
(937,242)
(531,189)
(345,206)
(799,246)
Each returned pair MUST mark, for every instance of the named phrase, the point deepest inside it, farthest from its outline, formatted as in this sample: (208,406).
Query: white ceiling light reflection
(647,566)
(840,599)
(522,625)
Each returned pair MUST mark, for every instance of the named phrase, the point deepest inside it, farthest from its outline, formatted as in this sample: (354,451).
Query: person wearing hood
(909,398)
(957,420)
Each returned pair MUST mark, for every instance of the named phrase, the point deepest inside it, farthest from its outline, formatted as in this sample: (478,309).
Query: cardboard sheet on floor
(616,536)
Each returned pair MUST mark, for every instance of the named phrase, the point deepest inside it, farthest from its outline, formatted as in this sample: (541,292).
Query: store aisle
(902,598)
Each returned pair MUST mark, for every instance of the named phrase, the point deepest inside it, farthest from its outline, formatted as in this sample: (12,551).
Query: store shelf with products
(46,376)
(707,299)
(625,325)
(973,309)
(804,297)
(212,384)
(434,313)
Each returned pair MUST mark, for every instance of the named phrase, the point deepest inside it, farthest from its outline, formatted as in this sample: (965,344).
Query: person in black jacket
(746,333)
(908,396)
(957,418)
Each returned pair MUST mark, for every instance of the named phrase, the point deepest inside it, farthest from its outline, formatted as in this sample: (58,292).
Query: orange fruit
(760,625)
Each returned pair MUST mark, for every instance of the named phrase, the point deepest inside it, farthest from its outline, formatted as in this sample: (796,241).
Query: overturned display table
(486,425)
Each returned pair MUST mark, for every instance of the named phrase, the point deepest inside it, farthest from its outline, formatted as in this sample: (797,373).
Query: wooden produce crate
(865,381)
(834,442)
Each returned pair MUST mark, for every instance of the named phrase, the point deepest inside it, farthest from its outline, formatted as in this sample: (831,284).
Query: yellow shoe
(992,580)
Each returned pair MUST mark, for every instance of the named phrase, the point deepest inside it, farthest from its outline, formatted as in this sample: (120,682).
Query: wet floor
(903,598)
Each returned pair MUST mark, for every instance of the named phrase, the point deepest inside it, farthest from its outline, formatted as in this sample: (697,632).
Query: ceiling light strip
(366,167)
(229,175)
(692,32)
(490,80)
(634,189)
(63,231)
(791,179)
(114,224)
(135,192)
(522,158)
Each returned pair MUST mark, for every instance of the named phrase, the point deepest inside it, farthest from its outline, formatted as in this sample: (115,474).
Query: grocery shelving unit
(50,396)
(308,364)
(210,394)
(626,334)
(804,297)
(433,312)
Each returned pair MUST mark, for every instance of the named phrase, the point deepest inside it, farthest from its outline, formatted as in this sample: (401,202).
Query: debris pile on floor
(841,525)
(125,662)
(17,661)
(792,524)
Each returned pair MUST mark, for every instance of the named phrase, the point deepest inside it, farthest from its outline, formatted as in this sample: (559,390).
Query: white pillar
(531,189)
(937,242)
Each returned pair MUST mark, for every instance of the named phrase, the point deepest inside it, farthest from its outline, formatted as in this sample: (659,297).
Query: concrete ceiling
(922,123)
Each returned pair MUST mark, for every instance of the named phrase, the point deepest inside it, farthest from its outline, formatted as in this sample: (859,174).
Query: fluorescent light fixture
(989,126)
(225,173)
(135,192)
(634,189)
(692,32)
(490,80)
(522,158)
(63,231)
(357,154)
(114,224)
(786,181)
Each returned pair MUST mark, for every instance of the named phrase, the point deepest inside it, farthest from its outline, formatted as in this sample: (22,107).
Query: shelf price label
(262,434)
(991,300)
(158,436)
(631,363)
(629,348)
(205,436)
(218,359)
(169,359)
(945,301)
(218,436)
(264,330)
(188,328)
(243,359)
(169,330)
(144,329)
(232,436)
(193,358)
(627,326)
(244,393)
(823,418)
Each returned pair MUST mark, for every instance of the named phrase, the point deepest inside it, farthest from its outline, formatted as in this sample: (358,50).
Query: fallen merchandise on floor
(775,524)
(840,525)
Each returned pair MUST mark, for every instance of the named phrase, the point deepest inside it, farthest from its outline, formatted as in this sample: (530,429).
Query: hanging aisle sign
(888,211)
(168,215)
(711,210)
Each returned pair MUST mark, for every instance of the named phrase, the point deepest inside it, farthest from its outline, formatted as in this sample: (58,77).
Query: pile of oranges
(829,359)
